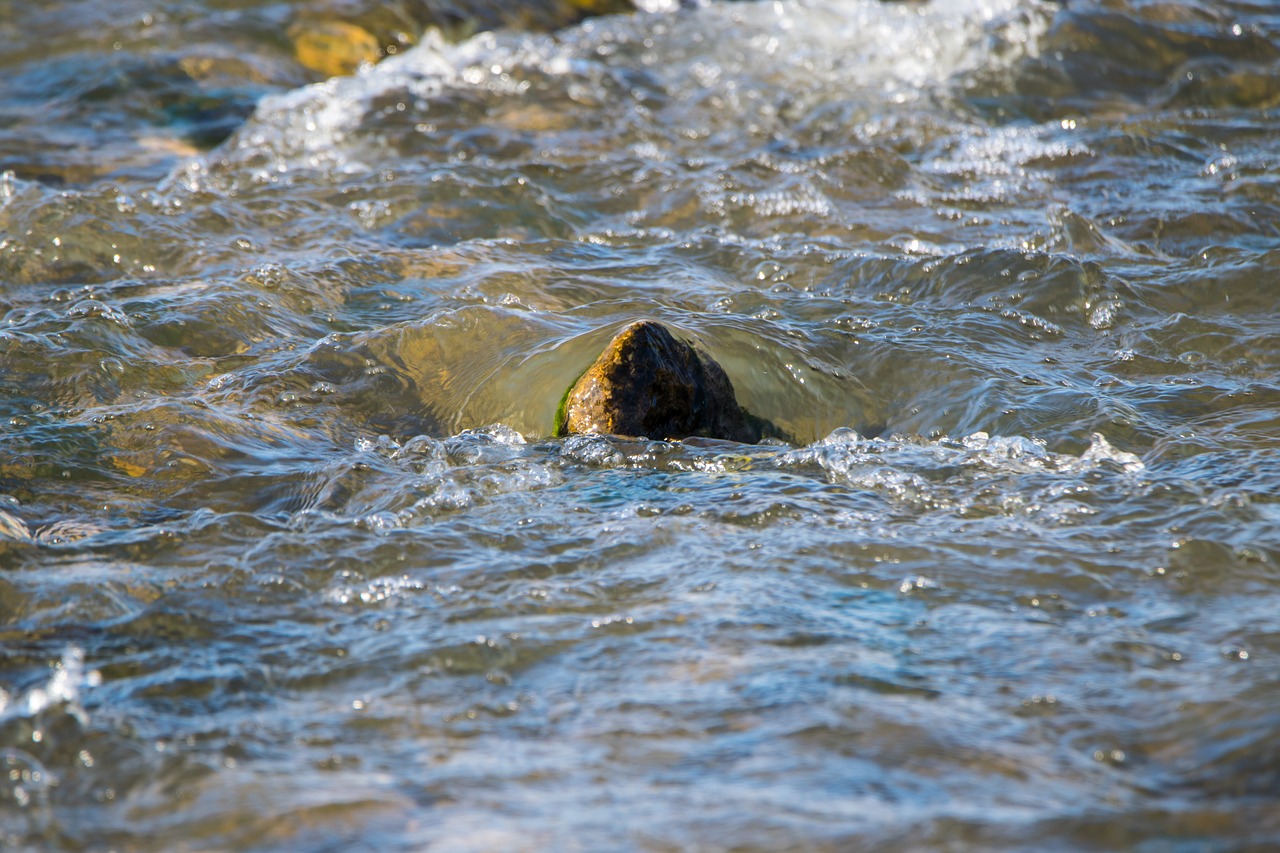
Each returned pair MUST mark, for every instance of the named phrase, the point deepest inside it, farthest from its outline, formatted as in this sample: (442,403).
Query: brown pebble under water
(649,383)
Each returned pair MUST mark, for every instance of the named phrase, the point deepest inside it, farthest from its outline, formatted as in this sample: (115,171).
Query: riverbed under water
(289,559)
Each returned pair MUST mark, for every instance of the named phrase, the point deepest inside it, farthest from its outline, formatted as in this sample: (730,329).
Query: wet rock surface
(649,383)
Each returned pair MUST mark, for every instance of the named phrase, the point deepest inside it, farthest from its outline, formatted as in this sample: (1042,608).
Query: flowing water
(289,559)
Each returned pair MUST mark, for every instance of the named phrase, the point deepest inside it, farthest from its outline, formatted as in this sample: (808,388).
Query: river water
(289,559)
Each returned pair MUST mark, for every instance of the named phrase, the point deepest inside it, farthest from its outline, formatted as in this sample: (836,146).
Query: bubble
(24,781)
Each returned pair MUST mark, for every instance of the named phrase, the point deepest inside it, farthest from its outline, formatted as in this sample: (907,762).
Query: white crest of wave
(734,54)
(978,474)
(844,448)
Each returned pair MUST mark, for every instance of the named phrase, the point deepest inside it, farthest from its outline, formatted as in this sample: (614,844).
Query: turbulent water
(289,559)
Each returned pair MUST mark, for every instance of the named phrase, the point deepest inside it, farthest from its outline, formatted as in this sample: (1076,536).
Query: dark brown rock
(649,383)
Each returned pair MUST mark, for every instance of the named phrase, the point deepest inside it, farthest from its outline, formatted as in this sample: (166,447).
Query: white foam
(941,474)
(62,690)
(729,62)
(1102,455)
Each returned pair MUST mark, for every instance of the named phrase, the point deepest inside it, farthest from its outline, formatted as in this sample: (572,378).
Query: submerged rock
(333,37)
(333,48)
(649,383)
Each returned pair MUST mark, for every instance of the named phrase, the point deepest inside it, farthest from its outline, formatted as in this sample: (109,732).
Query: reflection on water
(289,559)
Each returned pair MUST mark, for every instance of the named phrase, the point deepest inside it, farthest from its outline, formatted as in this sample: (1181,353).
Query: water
(289,562)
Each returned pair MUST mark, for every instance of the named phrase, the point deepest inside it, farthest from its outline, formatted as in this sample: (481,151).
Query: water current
(289,559)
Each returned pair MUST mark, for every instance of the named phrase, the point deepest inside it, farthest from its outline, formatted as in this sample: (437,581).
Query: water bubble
(1101,453)
(909,585)
(1103,315)
(24,781)
(595,450)
(382,522)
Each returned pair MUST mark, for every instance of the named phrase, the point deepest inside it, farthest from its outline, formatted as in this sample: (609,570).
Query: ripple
(290,559)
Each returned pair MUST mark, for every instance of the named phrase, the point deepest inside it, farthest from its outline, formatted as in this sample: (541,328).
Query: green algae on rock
(649,383)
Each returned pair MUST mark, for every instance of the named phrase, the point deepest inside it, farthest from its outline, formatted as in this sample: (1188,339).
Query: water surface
(289,560)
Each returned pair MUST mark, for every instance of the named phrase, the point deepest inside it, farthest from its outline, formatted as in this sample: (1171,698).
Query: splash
(712,66)
(61,692)
(976,475)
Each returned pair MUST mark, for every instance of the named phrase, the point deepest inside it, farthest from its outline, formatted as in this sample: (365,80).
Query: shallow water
(288,559)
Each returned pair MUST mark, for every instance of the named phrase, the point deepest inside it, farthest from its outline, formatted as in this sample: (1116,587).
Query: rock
(334,48)
(336,37)
(649,383)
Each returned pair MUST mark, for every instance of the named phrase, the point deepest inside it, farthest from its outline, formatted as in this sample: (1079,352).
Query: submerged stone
(649,383)
(336,37)
(334,48)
